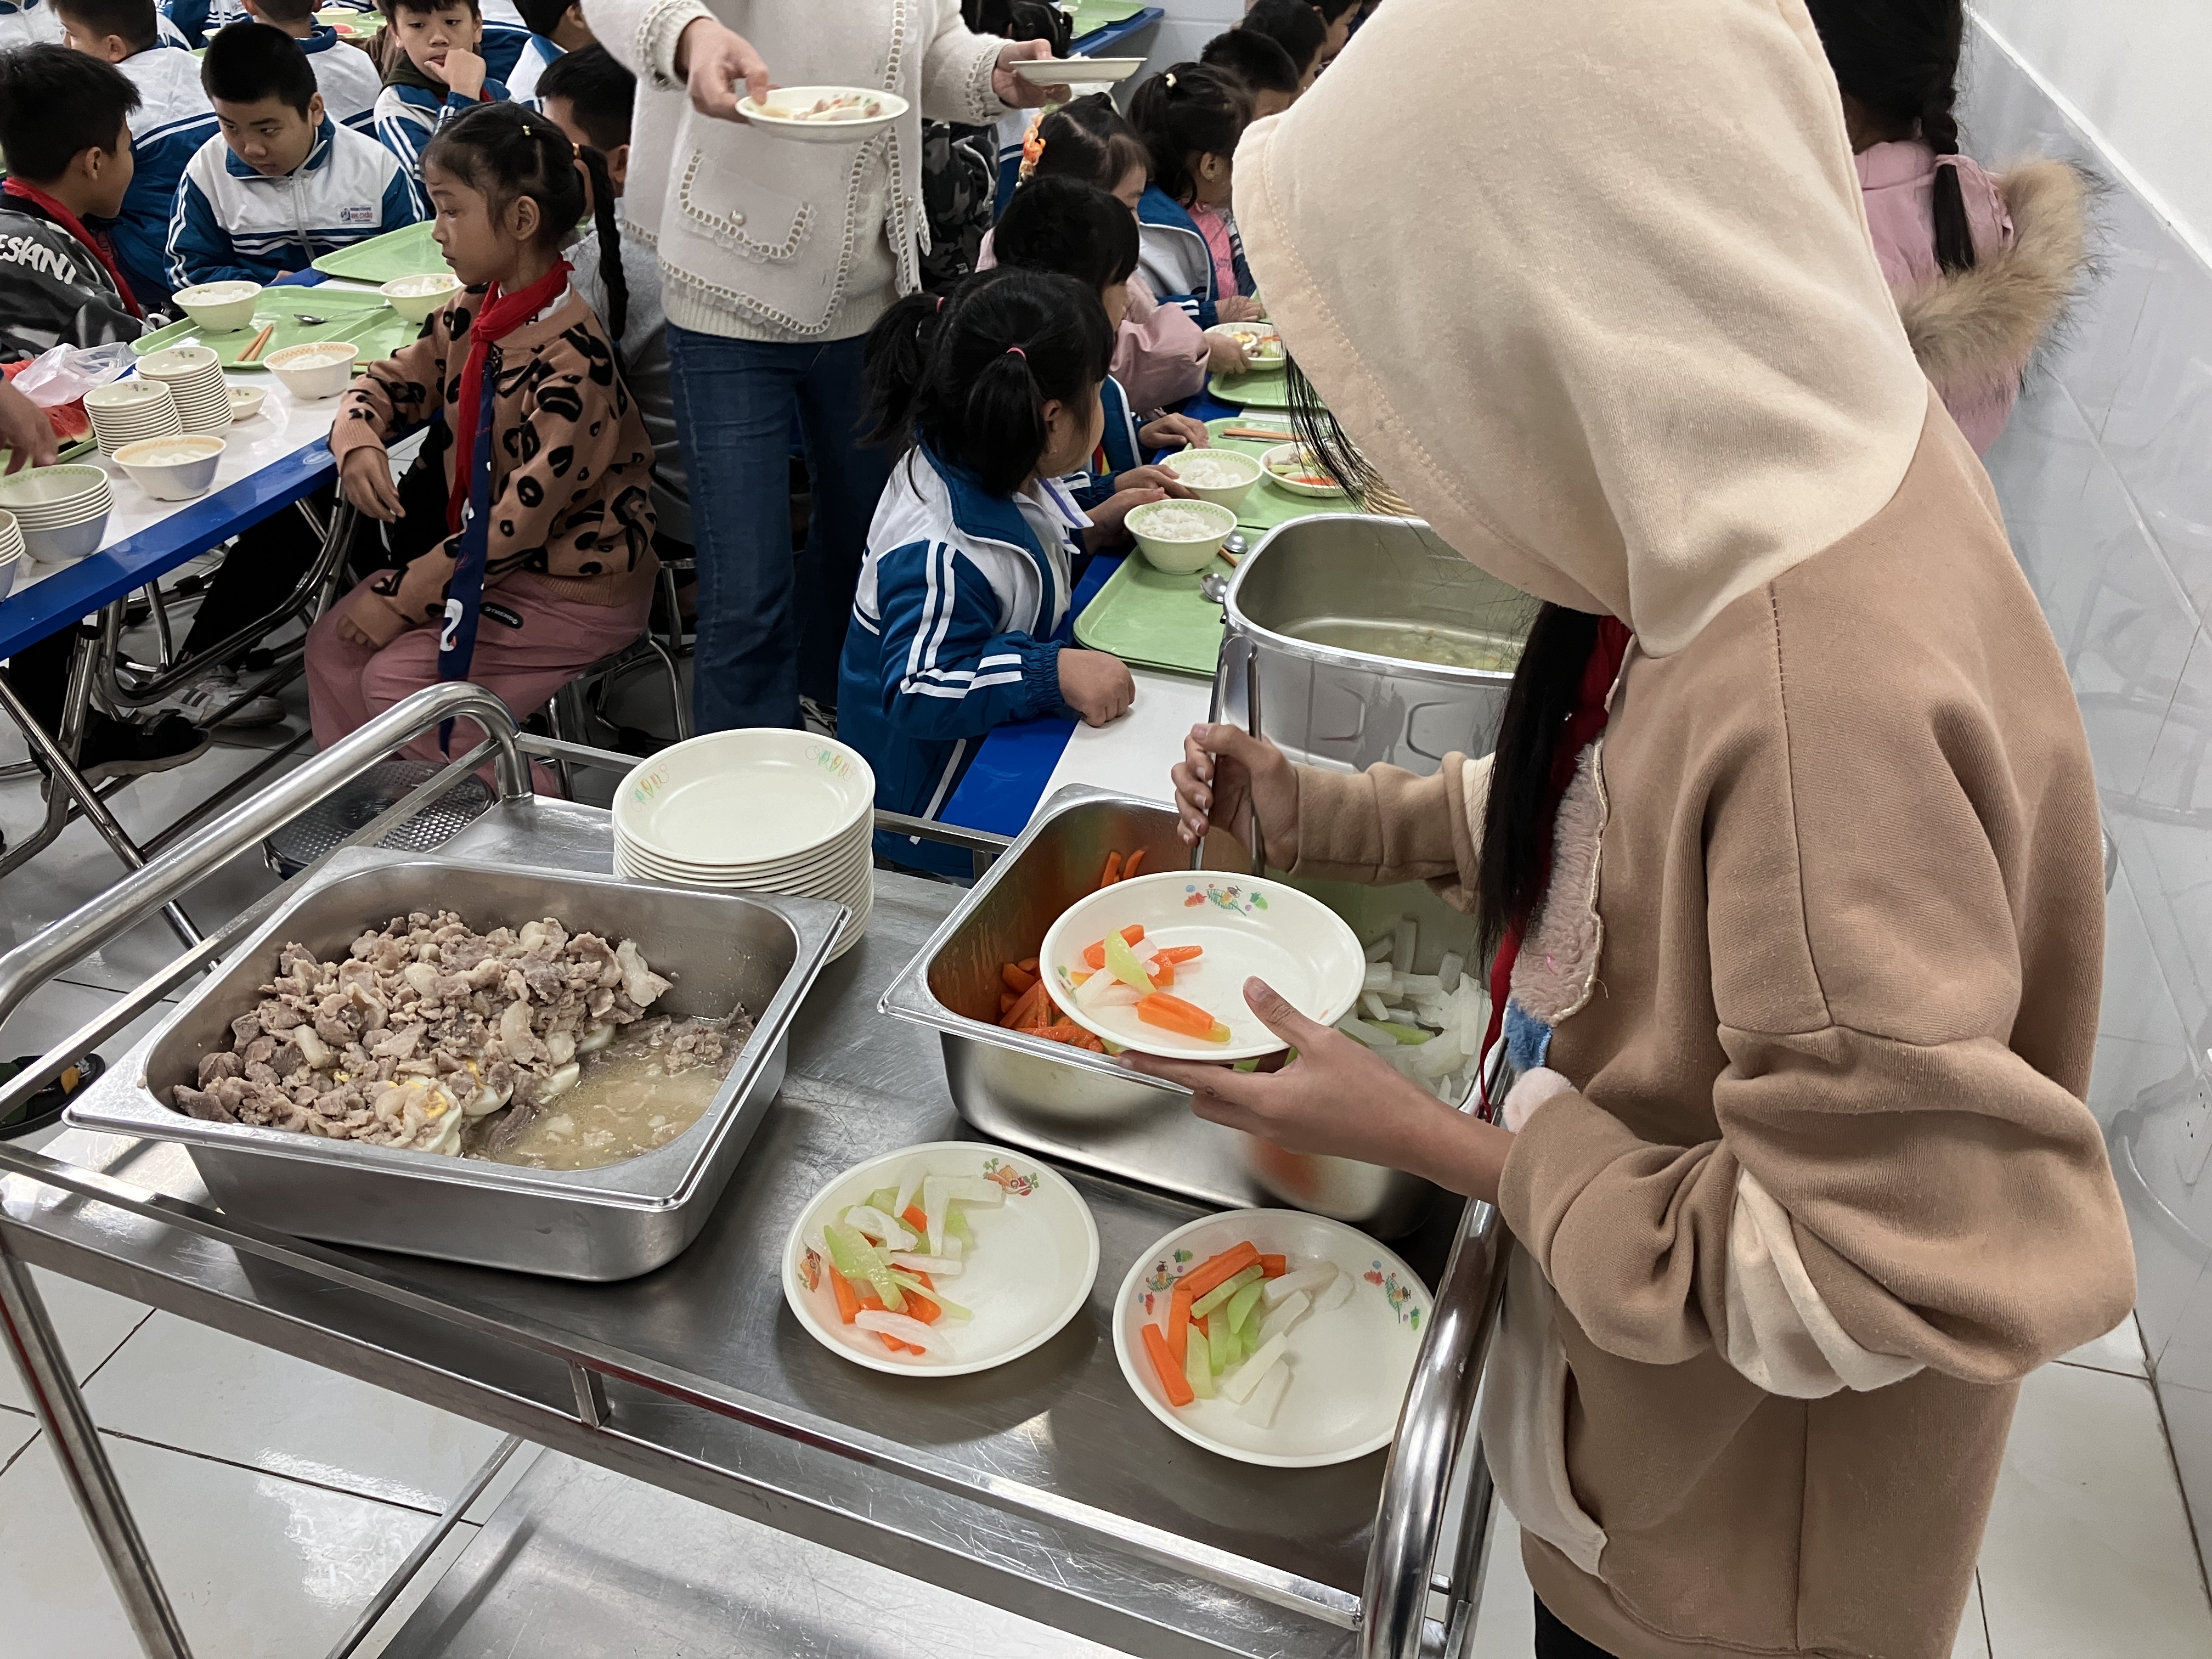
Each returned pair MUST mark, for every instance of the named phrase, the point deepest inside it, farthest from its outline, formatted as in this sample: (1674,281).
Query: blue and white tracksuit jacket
(408,117)
(505,38)
(170,123)
(522,79)
(1118,450)
(233,224)
(28,23)
(346,78)
(1172,253)
(960,593)
(198,19)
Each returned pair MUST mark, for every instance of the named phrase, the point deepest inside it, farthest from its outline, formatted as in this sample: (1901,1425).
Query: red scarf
(1589,718)
(101,248)
(499,315)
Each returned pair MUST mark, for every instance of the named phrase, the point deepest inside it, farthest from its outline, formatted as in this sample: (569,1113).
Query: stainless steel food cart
(1043,1487)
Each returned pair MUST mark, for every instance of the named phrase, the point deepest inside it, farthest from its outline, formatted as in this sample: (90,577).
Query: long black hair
(506,151)
(1899,58)
(1188,110)
(1070,227)
(969,374)
(1515,838)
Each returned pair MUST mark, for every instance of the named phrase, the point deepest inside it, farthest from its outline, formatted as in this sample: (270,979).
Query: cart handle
(85,929)
(1436,1418)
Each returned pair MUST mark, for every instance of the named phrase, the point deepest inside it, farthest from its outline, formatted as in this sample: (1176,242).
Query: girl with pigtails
(524,530)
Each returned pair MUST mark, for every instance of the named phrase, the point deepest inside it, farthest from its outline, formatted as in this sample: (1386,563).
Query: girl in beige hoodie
(1798,887)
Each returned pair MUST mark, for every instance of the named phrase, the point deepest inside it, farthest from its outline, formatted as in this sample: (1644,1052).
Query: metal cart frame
(968,1520)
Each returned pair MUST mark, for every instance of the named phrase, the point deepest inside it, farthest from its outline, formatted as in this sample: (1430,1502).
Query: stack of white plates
(61,511)
(129,410)
(758,810)
(11,552)
(194,374)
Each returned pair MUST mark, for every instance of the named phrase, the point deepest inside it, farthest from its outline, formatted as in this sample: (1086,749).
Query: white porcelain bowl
(320,368)
(1180,537)
(221,308)
(415,297)
(780,115)
(1295,457)
(245,402)
(44,497)
(745,800)
(1229,474)
(173,469)
(68,543)
(1262,344)
(179,362)
(8,565)
(11,536)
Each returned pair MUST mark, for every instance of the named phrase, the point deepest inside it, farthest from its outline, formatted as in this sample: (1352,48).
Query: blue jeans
(760,644)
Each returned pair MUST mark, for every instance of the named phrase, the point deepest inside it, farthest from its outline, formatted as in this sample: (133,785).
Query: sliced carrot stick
(848,1303)
(1018,1015)
(1210,1273)
(1129,868)
(1179,1324)
(1027,964)
(913,1217)
(924,1310)
(1273,1266)
(1073,1035)
(1181,952)
(1162,973)
(1016,980)
(1172,1013)
(1045,1013)
(1112,872)
(1094,954)
(1006,1004)
(1173,1383)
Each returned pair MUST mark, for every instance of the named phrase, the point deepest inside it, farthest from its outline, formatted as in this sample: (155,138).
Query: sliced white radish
(1294,1308)
(1308,1279)
(1236,1385)
(1104,991)
(1339,1290)
(936,1267)
(1260,1410)
(909,1183)
(879,1227)
(904,1328)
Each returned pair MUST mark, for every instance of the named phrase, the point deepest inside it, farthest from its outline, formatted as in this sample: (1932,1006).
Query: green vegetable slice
(1220,1295)
(1121,962)
(862,1263)
(1240,1305)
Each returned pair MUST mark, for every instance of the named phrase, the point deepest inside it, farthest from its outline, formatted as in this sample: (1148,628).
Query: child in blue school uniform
(994,395)
(1190,118)
(1074,228)
(438,65)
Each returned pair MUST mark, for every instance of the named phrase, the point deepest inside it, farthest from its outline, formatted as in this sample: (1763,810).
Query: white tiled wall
(2105,474)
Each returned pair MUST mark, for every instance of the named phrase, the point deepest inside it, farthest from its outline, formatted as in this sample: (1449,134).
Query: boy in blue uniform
(437,66)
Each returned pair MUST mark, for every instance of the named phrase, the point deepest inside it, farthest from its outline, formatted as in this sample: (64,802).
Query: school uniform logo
(351,216)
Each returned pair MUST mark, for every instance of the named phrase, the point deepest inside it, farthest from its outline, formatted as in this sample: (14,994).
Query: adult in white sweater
(776,258)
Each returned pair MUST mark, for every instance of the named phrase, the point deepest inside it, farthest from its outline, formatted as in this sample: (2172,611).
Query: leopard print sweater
(572,465)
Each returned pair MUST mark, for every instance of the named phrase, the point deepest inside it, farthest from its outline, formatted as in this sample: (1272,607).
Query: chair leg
(679,706)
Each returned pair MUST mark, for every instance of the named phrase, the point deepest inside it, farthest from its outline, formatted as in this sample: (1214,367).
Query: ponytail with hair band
(1954,236)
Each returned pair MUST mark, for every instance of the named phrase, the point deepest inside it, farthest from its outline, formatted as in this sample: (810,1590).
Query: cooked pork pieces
(425,1027)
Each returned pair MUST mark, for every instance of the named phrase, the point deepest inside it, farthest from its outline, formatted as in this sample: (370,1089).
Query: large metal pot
(1375,641)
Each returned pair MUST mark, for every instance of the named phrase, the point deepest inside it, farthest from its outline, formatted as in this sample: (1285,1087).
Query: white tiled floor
(276,1495)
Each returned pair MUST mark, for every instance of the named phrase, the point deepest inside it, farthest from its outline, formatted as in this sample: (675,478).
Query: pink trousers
(349,684)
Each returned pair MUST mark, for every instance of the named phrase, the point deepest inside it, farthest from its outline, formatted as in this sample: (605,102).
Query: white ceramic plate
(1349,1367)
(820,132)
(1265,331)
(846,847)
(1077,72)
(758,796)
(1282,455)
(1246,925)
(1034,1260)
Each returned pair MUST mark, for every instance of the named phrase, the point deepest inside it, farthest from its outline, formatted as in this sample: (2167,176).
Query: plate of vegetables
(824,115)
(1272,1336)
(1293,467)
(945,1258)
(1158,963)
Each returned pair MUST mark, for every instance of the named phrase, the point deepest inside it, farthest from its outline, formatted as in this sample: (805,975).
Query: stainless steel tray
(1346,708)
(607,1224)
(1083,1107)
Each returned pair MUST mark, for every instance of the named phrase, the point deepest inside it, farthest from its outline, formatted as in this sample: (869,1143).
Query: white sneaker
(202,700)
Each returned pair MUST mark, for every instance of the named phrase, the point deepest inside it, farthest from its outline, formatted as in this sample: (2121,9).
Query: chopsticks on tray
(254,347)
(1280,434)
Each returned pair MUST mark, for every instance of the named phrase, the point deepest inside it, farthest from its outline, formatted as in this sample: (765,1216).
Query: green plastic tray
(1089,14)
(410,250)
(360,320)
(1152,620)
(1271,390)
(1267,505)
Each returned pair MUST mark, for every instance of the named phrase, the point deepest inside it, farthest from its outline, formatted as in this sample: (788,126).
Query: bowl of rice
(1178,536)
(1223,476)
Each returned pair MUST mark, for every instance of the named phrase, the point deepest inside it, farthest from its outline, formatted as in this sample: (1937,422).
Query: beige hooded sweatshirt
(1806,1184)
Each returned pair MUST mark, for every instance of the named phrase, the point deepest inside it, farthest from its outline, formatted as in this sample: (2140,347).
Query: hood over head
(1628,348)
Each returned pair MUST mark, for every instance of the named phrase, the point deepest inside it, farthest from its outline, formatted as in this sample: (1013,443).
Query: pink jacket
(1897,181)
(1159,353)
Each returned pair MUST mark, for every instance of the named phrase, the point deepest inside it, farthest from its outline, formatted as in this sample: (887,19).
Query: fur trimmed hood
(1977,327)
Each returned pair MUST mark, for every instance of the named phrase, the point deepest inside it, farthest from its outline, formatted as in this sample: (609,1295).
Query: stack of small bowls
(758,810)
(194,376)
(62,511)
(132,409)
(11,553)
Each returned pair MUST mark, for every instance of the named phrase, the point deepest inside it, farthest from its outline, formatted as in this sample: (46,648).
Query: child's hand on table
(1240,308)
(462,72)
(1225,357)
(1095,684)
(1173,429)
(1138,485)
(365,477)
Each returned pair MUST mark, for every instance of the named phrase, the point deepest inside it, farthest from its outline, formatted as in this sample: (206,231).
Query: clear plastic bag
(65,374)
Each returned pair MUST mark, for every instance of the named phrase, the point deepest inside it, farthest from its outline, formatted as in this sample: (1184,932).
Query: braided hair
(505,151)
(1899,60)
(970,375)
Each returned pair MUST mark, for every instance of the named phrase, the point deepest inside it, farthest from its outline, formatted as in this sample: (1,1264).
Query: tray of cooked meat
(550,1071)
